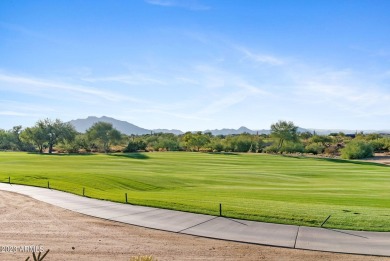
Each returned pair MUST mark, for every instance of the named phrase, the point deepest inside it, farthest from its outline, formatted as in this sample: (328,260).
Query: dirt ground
(72,236)
(383,158)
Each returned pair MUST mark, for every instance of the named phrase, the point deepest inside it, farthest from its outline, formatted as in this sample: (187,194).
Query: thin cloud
(261,58)
(25,85)
(138,79)
(346,95)
(14,113)
(224,103)
(160,2)
(186,4)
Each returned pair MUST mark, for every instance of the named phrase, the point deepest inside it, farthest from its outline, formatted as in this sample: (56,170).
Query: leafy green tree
(34,135)
(104,134)
(305,135)
(243,143)
(5,140)
(216,144)
(48,132)
(196,141)
(80,142)
(284,131)
(57,131)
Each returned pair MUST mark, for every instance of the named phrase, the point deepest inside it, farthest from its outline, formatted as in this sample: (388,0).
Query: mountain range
(81,125)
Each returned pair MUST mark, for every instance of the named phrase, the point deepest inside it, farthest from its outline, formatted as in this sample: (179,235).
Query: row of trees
(48,134)
(102,137)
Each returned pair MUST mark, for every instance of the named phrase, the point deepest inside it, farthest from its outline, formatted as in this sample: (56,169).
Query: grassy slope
(250,186)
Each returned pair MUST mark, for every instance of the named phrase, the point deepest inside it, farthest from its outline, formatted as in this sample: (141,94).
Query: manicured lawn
(258,187)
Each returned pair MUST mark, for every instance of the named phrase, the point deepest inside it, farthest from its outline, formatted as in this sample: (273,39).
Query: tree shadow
(224,153)
(357,162)
(62,154)
(134,155)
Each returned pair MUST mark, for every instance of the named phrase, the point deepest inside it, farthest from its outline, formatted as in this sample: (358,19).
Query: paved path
(343,241)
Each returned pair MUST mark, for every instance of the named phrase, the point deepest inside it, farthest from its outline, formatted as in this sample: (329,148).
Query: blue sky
(197,64)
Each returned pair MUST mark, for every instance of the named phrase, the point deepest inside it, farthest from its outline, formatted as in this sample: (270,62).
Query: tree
(284,131)
(48,132)
(105,134)
(197,140)
(57,131)
(5,140)
(306,135)
(34,135)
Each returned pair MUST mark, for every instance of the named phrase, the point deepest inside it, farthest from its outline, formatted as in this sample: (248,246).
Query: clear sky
(197,64)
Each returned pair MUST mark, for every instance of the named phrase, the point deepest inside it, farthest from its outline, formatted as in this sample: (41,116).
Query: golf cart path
(299,237)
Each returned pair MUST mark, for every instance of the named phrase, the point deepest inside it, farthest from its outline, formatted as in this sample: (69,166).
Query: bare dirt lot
(72,236)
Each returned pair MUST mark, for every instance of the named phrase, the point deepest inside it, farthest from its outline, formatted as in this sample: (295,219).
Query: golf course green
(269,188)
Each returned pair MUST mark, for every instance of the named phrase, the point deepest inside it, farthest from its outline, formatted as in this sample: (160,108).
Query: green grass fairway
(301,191)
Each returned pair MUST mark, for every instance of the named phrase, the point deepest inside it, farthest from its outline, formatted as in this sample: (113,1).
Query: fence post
(9,180)
(126,197)
(83,192)
(48,184)
(220,209)
(323,223)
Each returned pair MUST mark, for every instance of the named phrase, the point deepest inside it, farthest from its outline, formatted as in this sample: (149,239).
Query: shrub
(381,145)
(217,146)
(271,149)
(291,147)
(134,146)
(378,145)
(315,148)
(357,149)
(332,150)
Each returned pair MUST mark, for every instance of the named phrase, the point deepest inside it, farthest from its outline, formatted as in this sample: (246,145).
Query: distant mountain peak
(240,130)
(82,125)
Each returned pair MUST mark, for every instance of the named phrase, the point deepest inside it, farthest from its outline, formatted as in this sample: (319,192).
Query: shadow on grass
(357,162)
(224,153)
(135,155)
(62,154)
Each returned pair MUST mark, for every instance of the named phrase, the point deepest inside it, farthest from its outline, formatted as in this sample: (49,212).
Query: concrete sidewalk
(332,240)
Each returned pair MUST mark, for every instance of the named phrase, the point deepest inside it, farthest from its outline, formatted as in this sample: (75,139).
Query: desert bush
(378,145)
(271,149)
(382,144)
(167,144)
(315,148)
(357,149)
(292,147)
(332,150)
(134,146)
(216,145)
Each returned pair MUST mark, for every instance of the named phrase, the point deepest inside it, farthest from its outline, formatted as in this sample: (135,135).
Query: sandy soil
(73,236)
(383,158)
